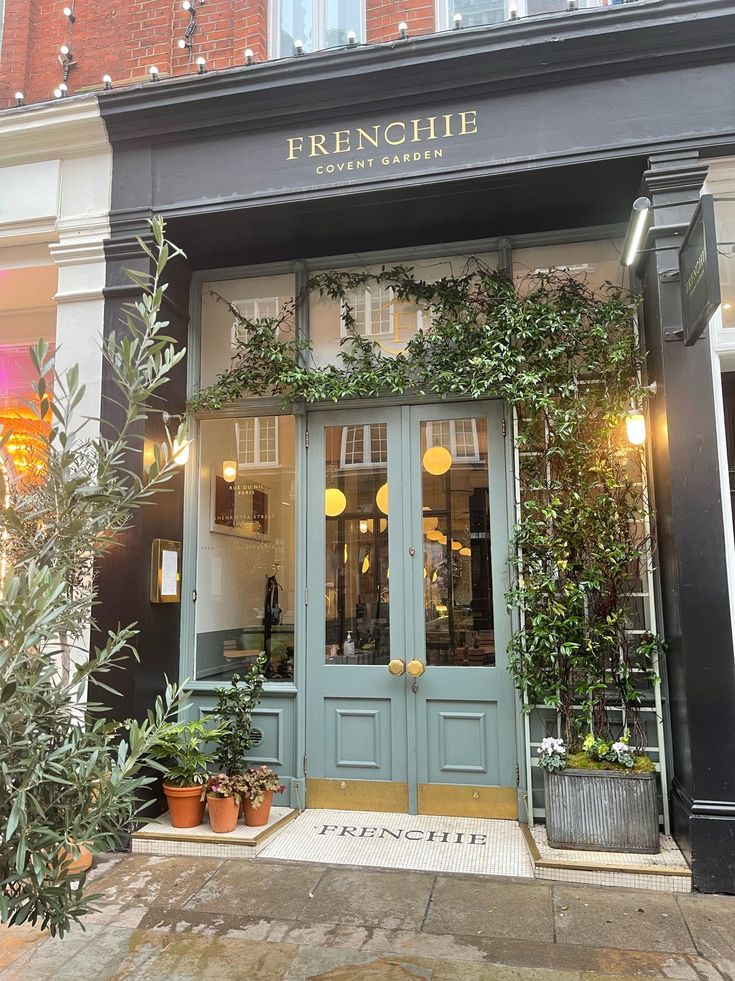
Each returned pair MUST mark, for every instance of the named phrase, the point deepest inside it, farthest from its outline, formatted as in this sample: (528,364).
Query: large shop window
(316,23)
(246,546)
(594,263)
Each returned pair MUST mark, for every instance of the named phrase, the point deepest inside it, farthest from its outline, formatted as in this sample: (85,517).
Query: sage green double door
(410,706)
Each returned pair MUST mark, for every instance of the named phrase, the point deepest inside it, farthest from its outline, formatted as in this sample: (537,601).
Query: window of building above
(476,13)
(316,23)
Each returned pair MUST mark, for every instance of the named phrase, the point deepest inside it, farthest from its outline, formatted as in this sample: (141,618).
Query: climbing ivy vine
(566,358)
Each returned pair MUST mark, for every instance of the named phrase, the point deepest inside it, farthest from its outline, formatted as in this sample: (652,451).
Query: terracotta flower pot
(256,817)
(75,866)
(185,808)
(223,812)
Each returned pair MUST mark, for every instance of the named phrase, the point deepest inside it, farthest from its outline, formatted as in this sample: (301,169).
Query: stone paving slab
(204,920)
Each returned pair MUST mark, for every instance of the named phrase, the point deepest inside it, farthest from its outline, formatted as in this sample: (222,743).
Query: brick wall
(123,39)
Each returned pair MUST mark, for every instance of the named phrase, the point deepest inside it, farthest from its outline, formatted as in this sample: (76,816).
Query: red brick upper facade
(125,39)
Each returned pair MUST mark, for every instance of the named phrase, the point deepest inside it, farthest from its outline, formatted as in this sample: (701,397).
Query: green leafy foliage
(233,715)
(568,362)
(187,749)
(68,776)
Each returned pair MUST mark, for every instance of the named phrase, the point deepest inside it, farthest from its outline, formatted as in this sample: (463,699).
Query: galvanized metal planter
(606,810)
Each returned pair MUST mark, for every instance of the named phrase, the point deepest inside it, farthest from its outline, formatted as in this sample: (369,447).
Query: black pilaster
(694,587)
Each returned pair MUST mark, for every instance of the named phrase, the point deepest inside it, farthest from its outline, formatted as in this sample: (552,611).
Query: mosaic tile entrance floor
(403,841)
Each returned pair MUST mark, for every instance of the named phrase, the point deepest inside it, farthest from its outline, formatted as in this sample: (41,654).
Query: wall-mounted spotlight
(153,72)
(403,30)
(201,66)
(249,56)
(68,12)
(298,47)
(106,83)
(457,21)
(19,99)
(636,229)
(351,39)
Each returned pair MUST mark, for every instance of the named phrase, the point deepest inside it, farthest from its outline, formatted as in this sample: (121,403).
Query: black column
(691,552)
(124,574)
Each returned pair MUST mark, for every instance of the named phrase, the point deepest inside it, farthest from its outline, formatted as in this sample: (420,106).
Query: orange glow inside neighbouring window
(26,445)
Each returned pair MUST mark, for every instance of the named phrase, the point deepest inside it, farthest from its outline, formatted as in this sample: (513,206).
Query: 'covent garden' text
(384,138)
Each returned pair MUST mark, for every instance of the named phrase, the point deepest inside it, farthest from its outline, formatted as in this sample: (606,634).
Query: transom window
(257,442)
(316,23)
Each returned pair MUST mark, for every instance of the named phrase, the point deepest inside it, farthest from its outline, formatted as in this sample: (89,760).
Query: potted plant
(223,795)
(259,784)
(603,797)
(233,714)
(186,744)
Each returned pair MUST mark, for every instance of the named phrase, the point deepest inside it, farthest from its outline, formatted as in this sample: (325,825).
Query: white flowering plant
(552,754)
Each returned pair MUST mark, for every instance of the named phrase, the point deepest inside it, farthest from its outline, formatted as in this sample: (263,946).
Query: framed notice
(165,571)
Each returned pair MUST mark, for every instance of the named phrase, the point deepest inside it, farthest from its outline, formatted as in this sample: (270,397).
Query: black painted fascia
(550,51)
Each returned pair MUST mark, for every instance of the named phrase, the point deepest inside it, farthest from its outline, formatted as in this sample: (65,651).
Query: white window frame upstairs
(443,20)
(260,423)
(319,29)
(375,302)
(366,462)
(456,457)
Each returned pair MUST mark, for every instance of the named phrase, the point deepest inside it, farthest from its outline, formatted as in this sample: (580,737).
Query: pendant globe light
(334,502)
(381,498)
(437,460)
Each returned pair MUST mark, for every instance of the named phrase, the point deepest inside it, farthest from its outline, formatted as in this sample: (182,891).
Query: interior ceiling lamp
(229,470)
(179,443)
(381,499)
(363,526)
(403,30)
(636,230)
(456,546)
(465,551)
(442,539)
(434,536)
(430,524)
(334,502)
(635,421)
(366,563)
(437,460)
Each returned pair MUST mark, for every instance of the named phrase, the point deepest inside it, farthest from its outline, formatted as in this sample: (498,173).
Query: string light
(351,39)
(457,21)
(201,66)
(153,72)
(298,47)
(106,82)
(249,56)
(68,12)
(19,99)
(403,30)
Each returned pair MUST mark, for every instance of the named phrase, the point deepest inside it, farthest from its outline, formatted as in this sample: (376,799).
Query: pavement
(202,919)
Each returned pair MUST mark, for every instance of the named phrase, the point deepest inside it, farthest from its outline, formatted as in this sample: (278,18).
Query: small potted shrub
(603,797)
(259,784)
(223,795)
(235,706)
(185,744)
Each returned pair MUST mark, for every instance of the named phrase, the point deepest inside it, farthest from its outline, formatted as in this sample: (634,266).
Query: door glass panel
(357,591)
(457,573)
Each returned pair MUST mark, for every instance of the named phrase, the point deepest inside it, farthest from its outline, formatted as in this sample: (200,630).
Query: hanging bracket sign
(699,274)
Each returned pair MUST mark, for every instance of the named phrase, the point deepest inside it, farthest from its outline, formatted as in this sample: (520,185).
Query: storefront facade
(387,635)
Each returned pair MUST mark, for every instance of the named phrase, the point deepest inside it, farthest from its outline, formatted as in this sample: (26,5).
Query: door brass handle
(397,667)
(416,668)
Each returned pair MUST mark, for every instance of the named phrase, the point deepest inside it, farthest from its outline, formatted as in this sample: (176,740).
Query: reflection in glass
(342,16)
(246,547)
(458,592)
(296,24)
(357,591)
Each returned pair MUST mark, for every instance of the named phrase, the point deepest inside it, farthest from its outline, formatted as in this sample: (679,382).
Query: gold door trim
(459,800)
(357,795)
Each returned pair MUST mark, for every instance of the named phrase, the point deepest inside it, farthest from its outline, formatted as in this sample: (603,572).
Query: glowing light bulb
(635,426)
(229,470)
(334,502)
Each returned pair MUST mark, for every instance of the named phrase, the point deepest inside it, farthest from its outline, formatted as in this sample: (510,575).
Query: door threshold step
(666,872)
(160,838)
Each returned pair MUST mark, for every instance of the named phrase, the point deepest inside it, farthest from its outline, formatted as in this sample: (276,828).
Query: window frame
(456,458)
(258,463)
(443,21)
